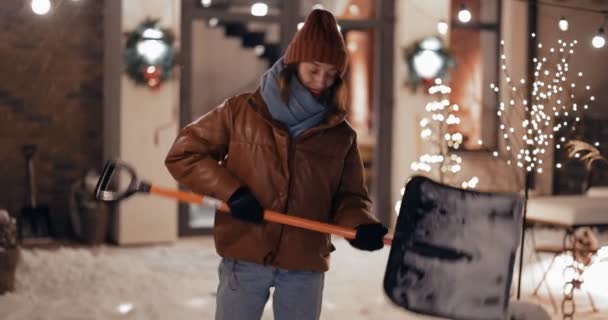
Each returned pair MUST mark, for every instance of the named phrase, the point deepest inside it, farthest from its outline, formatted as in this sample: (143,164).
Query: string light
(598,41)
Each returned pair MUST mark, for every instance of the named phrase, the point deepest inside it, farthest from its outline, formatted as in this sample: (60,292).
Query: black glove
(369,237)
(244,206)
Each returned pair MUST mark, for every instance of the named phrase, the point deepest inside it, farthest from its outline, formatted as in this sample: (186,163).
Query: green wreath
(149,54)
(433,50)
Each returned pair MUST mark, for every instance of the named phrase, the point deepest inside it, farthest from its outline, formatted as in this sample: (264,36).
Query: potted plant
(9,252)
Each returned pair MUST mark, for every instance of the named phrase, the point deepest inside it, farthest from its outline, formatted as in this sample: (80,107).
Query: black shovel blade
(453,251)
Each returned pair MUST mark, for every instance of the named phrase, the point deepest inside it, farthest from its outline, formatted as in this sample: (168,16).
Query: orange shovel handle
(271,216)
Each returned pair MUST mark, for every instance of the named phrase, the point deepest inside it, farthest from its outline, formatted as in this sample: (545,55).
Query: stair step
(272,52)
(252,39)
(234,29)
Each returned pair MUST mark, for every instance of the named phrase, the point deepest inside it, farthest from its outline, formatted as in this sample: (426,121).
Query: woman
(286,147)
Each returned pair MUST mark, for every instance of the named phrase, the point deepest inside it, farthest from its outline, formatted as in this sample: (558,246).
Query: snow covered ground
(178,281)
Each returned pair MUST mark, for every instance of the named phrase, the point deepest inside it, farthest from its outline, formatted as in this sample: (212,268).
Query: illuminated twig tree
(536,110)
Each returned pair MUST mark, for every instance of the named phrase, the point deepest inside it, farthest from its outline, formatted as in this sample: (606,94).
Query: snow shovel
(452,251)
(104,191)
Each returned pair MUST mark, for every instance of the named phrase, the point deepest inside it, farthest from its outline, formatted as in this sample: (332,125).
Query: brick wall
(50,95)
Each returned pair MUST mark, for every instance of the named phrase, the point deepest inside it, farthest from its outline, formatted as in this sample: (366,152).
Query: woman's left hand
(369,237)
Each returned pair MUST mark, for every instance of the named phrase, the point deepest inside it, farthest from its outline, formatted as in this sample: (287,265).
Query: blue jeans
(245,287)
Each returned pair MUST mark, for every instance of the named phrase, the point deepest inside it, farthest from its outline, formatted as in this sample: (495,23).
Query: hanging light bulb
(259,9)
(563,24)
(41,7)
(464,15)
(599,40)
(442,27)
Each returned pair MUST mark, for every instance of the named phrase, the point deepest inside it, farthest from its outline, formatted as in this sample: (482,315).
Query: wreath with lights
(150,54)
(427,60)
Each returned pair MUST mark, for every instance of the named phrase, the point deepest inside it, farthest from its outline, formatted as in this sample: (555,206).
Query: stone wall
(50,95)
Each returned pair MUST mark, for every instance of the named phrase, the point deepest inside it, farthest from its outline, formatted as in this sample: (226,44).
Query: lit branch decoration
(437,130)
(528,128)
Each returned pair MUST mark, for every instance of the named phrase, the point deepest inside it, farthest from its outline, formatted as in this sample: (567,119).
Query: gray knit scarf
(302,111)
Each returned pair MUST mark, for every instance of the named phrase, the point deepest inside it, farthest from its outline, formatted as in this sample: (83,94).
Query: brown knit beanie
(318,40)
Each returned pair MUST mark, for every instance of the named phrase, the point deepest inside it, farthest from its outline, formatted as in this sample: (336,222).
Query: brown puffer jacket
(318,175)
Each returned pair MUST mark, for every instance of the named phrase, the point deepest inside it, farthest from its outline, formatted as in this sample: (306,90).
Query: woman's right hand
(244,206)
